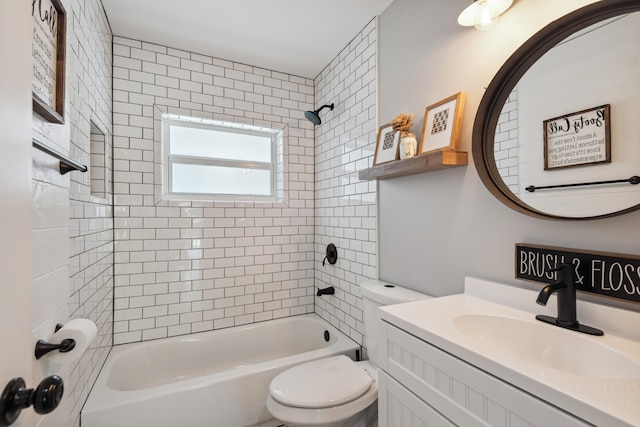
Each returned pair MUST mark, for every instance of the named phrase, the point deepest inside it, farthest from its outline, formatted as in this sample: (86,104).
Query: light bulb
(486,15)
(483,14)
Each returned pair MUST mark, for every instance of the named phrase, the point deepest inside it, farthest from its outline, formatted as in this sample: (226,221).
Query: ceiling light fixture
(483,14)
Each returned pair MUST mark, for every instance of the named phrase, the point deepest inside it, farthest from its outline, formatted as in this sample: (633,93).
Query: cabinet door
(463,393)
(398,407)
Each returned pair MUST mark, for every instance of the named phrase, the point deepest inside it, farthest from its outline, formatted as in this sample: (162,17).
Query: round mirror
(556,133)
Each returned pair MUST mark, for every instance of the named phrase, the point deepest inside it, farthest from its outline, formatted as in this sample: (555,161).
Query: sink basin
(541,345)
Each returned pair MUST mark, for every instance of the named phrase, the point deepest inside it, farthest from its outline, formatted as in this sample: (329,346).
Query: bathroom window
(207,160)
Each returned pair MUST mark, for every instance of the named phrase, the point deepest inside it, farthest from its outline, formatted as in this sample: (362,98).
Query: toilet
(336,391)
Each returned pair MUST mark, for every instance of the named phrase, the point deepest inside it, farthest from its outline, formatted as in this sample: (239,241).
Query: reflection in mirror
(596,66)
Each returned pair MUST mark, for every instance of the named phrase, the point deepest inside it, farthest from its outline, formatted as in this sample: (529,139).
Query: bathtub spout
(326,291)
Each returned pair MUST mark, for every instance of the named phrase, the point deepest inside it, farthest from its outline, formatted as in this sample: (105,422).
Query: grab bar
(66,164)
(634,180)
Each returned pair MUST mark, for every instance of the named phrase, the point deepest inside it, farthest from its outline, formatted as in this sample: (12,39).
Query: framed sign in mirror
(48,49)
(578,139)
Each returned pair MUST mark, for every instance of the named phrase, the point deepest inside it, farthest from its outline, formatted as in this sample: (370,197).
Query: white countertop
(595,398)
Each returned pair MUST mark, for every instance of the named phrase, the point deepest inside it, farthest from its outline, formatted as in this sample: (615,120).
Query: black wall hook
(331,254)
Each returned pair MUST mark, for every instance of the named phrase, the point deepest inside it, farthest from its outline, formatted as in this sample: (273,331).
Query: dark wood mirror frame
(506,79)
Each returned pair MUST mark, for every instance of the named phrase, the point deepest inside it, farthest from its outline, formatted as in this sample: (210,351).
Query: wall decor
(602,273)
(605,23)
(387,144)
(442,123)
(48,50)
(578,139)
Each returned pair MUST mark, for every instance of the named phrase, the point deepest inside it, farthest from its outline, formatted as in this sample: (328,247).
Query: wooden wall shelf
(428,162)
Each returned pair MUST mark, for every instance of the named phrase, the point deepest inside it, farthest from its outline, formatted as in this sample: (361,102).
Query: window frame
(168,160)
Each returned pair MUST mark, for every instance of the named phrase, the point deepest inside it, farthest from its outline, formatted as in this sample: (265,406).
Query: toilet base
(366,418)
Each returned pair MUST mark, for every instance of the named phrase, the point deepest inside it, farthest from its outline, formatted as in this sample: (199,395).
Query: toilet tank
(376,293)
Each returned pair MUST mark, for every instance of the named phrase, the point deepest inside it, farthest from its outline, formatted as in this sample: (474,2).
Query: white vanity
(480,358)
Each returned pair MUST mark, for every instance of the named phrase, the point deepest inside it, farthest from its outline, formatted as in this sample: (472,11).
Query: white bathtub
(211,379)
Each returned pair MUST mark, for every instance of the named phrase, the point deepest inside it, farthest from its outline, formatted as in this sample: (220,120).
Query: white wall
(436,228)
(345,213)
(72,230)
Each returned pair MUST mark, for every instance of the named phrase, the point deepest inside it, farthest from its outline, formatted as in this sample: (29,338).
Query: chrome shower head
(314,116)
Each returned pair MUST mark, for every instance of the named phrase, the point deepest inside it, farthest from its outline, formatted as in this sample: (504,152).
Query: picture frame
(386,145)
(442,123)
(578,139)
(48,49)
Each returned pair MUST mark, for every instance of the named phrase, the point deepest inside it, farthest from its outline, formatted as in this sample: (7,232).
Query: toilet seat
(323,383)
(348,414)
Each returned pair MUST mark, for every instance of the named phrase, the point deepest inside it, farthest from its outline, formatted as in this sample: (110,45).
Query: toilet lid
(321,384)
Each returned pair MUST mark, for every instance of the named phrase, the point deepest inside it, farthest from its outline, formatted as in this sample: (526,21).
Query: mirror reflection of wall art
(578,139)
(442,122)
(387,145)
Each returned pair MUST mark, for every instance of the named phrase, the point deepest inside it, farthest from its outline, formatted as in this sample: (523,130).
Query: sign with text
(48,51)
(609,274)
(577,139)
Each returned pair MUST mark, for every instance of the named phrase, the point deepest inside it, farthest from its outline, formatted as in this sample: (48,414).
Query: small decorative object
(442,123)
(578,139)
(408,146)
(402,123)
(387,145)
(48,51)
(408,143)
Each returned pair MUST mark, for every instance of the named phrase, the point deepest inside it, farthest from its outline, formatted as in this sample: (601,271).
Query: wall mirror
(563,113)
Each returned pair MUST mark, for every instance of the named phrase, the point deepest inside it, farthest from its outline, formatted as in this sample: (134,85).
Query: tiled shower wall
(506,143)
(72,229)
(184,267)
(345,206)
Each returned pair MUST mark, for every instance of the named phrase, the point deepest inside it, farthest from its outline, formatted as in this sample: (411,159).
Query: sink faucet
(565,288)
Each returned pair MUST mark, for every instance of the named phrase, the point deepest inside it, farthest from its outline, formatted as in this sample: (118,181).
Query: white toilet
(336,391)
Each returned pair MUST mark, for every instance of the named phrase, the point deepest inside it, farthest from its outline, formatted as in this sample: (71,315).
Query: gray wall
(436,228)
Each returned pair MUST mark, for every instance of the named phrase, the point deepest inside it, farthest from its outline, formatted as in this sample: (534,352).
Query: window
(218,161)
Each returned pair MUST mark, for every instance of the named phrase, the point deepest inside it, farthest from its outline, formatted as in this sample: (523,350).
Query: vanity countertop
(594,378)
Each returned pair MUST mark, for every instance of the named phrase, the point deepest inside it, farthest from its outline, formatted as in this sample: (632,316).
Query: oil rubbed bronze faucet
(565,288)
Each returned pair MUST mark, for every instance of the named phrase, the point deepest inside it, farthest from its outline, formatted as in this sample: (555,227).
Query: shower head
(314,116)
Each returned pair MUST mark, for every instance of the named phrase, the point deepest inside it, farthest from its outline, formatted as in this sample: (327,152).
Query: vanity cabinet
(421,385)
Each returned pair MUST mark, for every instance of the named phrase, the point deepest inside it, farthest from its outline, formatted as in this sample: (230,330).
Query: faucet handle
(560,266)
(557,267)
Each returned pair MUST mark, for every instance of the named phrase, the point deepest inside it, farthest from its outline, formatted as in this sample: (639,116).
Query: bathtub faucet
(326,291)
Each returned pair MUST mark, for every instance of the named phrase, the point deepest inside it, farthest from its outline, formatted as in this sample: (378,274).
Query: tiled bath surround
(73,229)
(184,267)
(345,206)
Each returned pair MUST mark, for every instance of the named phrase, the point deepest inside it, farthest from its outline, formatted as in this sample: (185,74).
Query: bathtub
(210,379)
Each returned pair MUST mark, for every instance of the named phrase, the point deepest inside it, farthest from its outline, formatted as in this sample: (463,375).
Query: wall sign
(577,139)
(609,274)
(48,50)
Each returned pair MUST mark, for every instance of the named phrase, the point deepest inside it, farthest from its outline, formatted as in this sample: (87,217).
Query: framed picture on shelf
(387,145)
(442,123)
